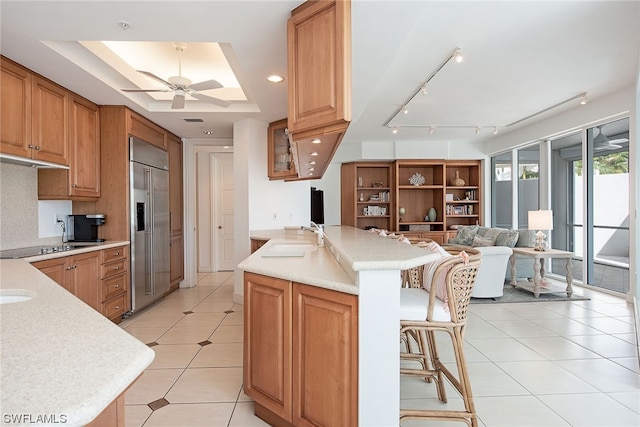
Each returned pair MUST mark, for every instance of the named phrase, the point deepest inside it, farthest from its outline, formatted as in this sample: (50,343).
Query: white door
(222,173)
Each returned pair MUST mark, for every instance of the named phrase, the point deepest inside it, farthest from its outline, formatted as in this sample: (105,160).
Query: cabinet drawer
(113,286)
(113,268)
(115,306)
(113,254)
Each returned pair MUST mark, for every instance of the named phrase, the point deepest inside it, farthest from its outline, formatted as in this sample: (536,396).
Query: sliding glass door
(590,193)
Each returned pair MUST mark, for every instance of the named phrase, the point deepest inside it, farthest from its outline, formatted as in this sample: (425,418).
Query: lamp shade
(540,220)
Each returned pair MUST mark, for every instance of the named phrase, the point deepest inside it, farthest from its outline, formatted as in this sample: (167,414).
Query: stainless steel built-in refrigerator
(149,176)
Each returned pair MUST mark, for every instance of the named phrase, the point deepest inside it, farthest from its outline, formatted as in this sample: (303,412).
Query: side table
(538,269)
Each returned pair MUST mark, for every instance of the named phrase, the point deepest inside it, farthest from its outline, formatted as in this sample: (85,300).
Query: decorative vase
(432,214)
(457,181)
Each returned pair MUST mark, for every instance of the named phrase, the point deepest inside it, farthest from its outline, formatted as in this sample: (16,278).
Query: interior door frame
(192,148)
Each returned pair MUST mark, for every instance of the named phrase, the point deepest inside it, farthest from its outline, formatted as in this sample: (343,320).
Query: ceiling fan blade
(618,141)
(211,100)
(206,85)
(178,102)
(146,90)
(156,78)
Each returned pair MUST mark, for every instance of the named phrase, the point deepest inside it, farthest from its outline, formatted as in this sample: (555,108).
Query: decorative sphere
(402,211)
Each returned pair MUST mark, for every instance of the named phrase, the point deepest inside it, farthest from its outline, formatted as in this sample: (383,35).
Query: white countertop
(88,247)
(58,355)
(353,250)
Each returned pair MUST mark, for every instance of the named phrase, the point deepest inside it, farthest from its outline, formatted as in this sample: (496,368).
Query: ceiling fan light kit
(181,86)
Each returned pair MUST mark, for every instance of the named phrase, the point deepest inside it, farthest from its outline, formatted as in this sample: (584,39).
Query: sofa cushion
(482,241)
(493,233)
(526,238)
(465,235)
(508,238)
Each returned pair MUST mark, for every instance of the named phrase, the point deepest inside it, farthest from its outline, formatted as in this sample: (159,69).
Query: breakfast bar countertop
(347,251)
(61,361)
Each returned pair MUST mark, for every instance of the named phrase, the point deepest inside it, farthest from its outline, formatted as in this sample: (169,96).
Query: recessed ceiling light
(316,141)
(207,132)
(275,78)
(310,173)
(312,162)
(124,25)
(312,169)
(315,153)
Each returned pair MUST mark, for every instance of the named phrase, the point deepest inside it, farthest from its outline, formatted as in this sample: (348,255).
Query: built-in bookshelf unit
(420,187)
(398,196)
(366,199)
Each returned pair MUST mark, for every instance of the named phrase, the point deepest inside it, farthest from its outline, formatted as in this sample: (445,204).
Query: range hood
(17,160)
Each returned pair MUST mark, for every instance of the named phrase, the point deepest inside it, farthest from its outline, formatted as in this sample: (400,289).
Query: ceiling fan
(181,86)
(601,142)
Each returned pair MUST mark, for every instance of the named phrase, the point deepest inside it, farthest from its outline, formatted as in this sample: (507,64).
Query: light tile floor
(531,364)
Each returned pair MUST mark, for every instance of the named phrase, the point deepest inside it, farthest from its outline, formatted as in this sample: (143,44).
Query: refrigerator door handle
(148,235)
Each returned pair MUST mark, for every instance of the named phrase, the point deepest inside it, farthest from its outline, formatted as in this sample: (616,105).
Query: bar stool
(443,307)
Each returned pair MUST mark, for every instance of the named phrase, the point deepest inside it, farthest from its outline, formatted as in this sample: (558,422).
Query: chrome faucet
(319,231)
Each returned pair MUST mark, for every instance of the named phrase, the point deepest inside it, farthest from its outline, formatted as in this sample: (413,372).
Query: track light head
(583,99)
(457,55)
(404,110)
(424,89)
(431,129)
(394,130)
(477,130)
(495,130)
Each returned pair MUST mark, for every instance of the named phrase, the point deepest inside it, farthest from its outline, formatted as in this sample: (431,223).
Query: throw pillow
(465,235)
(480,242)
(493,233)
(526,238)
(508,238)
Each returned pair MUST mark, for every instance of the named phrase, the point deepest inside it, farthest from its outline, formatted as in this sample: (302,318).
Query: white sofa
(490,278)
(494,267)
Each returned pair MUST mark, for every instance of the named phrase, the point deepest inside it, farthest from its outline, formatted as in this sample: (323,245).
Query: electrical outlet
(60,218)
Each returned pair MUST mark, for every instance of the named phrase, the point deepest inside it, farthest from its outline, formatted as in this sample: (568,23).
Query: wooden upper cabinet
(84,144)
(176,197)
(146,130)
(82,180)
(49,121)
(34,116)
(280,164)
(319,84)
(15,109)
(319,64)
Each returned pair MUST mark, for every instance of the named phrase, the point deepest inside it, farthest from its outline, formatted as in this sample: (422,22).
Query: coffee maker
(84,228)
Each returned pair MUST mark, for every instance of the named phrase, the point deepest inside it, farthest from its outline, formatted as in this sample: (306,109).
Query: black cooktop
(35,250)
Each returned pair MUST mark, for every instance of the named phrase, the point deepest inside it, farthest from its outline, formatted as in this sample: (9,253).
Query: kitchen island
(321,327)
(62,362)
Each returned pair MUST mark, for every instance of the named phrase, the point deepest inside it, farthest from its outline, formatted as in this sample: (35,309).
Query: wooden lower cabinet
(300,353)
(112,416)
(77,273)
(176,260)
(99,278)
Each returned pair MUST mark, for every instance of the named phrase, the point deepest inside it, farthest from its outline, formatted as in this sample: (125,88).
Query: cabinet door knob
(116,254)
(117,307)
(30,146)
(219,227)
(38,148)
(116,268)
(116,286)
(74,185)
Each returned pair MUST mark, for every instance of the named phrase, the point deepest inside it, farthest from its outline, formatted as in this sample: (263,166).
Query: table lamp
(540,220)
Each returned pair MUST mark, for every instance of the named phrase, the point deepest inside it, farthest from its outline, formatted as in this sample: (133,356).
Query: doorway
(214,211)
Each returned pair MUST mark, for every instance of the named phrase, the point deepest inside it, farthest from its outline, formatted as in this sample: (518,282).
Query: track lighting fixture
(583,100)
(495,130)
(477,130)
(394,130)
(431,129)
(457,55)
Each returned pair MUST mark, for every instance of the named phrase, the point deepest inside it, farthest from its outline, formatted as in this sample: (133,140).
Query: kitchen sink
(9,296)
(289,249)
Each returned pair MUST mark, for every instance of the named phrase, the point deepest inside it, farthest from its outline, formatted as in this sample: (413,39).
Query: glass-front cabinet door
(279,156)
